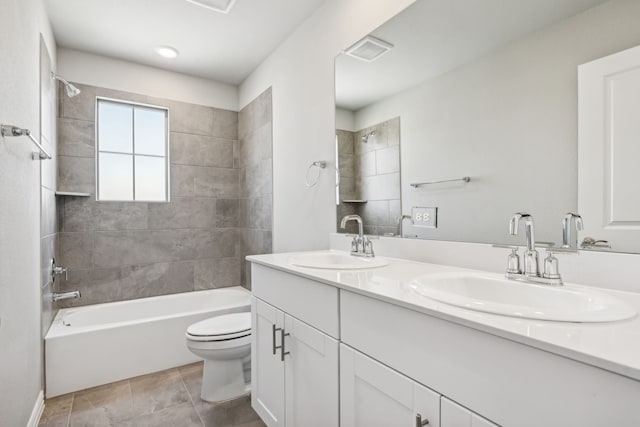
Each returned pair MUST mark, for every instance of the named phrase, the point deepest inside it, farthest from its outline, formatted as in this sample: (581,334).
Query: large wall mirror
(485,90)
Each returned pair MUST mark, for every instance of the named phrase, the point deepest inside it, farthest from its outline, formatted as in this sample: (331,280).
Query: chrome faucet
(531,271)
(566,230)
(400,224)
(531,255)
(57,296)
(360,245)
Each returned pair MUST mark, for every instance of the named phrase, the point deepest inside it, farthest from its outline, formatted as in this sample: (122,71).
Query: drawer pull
(282,352)
(419,422)
(273,337)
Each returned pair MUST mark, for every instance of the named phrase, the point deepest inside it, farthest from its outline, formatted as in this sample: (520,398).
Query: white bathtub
(102,343)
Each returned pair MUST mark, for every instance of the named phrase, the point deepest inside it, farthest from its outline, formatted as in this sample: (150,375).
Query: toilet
(224,342)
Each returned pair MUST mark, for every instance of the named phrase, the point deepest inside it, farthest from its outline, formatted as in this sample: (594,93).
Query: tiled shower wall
(256,182)
(48,208)
(126,250)
(370,171)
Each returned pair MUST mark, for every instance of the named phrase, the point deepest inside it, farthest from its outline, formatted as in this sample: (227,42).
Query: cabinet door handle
(273,337)
(419,422)
(282,352)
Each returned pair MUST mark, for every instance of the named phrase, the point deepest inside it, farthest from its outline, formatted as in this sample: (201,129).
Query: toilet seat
(221,328)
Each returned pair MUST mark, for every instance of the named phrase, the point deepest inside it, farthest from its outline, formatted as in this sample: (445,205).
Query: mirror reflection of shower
(68,87)
(365,138)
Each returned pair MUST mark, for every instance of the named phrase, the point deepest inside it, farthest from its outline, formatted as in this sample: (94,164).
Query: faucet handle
(354,244)
(513,260)
(551,269)
(368,247)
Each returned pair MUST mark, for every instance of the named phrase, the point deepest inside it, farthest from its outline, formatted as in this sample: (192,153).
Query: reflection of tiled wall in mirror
(369,161)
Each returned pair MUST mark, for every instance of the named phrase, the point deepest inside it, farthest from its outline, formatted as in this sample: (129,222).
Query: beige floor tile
(164,399)
(56,411)
(103,405)
(155,392)
(182,415)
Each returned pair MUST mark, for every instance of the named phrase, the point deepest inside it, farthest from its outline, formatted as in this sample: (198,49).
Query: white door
(373,395)
(454,415)
(311,376)
(267,370)
(609,149)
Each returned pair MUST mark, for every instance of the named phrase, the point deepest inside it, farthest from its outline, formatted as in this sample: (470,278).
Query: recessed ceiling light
(167,52)
(222,6)
(369,49)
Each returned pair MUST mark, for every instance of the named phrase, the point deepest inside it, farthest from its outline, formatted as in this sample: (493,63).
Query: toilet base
(225,380)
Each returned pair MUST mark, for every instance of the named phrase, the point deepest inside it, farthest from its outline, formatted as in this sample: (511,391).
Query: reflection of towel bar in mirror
(464,178)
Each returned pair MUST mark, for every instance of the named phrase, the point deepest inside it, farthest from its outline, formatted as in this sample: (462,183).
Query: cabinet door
(454,415)
(372,394)
(267,370)
(311,376)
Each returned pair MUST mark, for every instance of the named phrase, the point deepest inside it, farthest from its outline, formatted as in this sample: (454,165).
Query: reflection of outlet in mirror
(424,217)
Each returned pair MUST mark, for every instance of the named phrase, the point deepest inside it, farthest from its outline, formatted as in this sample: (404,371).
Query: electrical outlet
(424,217)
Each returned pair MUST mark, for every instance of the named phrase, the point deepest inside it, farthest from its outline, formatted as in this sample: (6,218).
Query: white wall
(508,120)
(20,343)
(111,73)
(345,120)
(301,72)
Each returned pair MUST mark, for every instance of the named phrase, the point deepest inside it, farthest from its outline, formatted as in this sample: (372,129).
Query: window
(131,156)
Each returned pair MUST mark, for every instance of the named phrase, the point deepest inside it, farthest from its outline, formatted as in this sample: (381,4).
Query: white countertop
(614,346)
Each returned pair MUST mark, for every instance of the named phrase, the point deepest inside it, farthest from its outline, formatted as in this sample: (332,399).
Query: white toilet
(224,342)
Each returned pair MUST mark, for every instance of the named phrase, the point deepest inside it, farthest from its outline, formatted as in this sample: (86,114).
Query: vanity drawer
(507,382)
(312,302)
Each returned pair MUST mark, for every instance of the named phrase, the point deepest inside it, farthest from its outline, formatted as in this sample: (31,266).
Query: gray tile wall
(125,250)
(255,161)
(371,171)
(48,206)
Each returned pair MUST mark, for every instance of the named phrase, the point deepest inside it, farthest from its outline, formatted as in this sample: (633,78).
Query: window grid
(133,153)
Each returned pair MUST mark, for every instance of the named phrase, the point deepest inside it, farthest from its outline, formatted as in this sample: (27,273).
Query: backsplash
(126,250)
(370,171)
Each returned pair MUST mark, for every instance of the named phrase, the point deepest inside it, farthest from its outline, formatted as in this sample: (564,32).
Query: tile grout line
(73,399)
(193,405)
(131,399)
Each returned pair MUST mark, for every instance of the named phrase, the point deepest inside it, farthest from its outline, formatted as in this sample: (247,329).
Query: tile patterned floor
(169,398)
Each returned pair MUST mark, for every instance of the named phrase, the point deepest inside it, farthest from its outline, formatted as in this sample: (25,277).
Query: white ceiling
(432,37)
(224,48)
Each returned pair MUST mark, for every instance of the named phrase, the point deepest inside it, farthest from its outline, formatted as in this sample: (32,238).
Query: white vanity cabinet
(294,364)
(326,355)
(372,395)
(454,415)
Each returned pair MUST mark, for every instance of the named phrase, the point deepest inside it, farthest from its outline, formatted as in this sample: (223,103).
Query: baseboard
(38,408)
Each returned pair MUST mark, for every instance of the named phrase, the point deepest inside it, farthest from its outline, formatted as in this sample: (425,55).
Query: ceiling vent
(222,6)
(369,49)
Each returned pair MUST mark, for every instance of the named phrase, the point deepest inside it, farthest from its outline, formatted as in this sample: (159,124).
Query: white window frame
(133,153)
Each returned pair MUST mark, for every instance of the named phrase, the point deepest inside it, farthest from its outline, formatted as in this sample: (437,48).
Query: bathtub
(102,343)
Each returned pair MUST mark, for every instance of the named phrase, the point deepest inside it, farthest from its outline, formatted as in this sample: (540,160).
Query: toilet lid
(228,324)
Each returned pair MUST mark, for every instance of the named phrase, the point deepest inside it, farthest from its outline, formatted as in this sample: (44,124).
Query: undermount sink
(336,261)
(495,294)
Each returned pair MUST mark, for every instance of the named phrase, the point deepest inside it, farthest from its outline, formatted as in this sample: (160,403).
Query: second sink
(495,294)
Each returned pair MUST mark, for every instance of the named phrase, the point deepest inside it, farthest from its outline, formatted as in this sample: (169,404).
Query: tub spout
(57,296)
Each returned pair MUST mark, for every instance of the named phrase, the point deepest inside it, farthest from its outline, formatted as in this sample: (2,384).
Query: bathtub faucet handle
(58,271)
